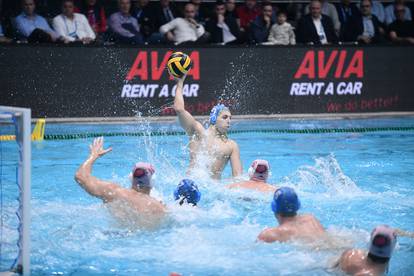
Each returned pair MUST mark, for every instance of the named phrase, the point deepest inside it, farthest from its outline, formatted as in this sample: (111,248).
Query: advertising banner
(66,81)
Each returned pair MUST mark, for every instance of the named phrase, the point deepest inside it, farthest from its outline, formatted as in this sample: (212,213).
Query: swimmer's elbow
(79,177)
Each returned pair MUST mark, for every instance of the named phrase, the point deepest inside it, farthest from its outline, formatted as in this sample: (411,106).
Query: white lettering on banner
(156,90)
(306,88)
(316,88)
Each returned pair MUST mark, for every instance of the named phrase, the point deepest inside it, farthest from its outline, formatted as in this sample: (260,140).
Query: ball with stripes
(179,64)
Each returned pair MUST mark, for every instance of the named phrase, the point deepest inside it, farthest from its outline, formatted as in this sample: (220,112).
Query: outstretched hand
(97,149)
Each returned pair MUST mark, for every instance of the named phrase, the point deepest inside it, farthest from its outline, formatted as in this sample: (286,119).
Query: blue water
(350,181)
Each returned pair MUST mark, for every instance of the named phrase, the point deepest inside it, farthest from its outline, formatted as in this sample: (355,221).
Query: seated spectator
(3,38)
(202,13)
(346,10)
(329,10)
(142,13)
(32,26)
(184,30)
(164,13)
(315,28)
(378,10)
(247,13)
(364,28)
(281,33)
(259,29)
(390,15)
(124,27)
(231,10)
(401,30)
(223,29)
(73,27)
(95,13)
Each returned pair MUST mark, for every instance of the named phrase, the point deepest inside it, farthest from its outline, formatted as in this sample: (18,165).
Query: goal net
(15,171)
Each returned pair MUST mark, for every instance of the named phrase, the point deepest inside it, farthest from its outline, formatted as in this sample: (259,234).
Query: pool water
(350,181)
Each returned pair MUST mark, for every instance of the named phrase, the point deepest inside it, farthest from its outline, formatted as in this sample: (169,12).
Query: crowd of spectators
(195,22)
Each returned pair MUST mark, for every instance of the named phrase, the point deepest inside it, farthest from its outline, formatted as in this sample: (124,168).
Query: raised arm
(187,121)
(104,190)
(236,166)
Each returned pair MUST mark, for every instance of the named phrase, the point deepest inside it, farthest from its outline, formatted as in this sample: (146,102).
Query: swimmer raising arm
(102,189)
(213,141)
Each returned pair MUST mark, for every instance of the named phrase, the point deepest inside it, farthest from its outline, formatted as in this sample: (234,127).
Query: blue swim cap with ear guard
(187,191)
(285,201)
(215,112)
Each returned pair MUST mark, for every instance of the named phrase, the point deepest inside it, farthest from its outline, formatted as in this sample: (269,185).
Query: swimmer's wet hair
(287,214)
(377,259)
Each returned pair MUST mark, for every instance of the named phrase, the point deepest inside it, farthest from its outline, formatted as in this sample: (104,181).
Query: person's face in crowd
(91,2)
(165,3)
(124,6)
(365,7)
(250,4)
(29,7)
(189,11)
(346,2)
(143,3)
(230,5)
(281,18)
(68,8)
(399,12)
(223,121)
(267,11)
(315,8)
(220,9)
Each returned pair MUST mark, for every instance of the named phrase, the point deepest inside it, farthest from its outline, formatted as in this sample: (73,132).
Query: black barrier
(100,82)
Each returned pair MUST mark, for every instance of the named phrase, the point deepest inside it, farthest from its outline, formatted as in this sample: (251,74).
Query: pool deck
(324,116)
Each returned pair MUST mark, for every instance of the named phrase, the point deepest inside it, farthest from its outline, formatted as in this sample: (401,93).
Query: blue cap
(285,201)
(187,190)
(215,113)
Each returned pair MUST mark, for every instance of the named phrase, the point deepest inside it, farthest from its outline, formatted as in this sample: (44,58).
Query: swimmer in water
(259,172)
(213,141)
(285,205)
(137,197)
(187,192)
(375,261)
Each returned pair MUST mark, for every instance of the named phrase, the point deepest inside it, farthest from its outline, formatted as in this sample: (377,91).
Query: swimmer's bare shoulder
(279,233)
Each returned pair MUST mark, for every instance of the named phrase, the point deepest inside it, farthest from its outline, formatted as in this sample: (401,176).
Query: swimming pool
(350,181)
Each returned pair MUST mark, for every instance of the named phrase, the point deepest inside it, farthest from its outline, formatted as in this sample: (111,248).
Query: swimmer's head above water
(187,192)
(259,170)
(142,176)
(382,243)
(285,202)
(220,117)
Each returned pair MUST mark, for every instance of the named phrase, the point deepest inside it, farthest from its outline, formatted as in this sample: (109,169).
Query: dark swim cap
(187,191)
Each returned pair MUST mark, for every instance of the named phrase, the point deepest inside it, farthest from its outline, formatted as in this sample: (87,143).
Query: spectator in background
(247,13)
(202,14)
(329,10)
(124,27)
(231,10)
(315,28)
(346,10)
(184,30)
(281,33)
(378,10)
(142,13)
(164,13)
(390,15)
(3,38)
(223,29)
(260,27)
(401,30)
(95,13)
(364,28)
(73,26)
(32,26)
